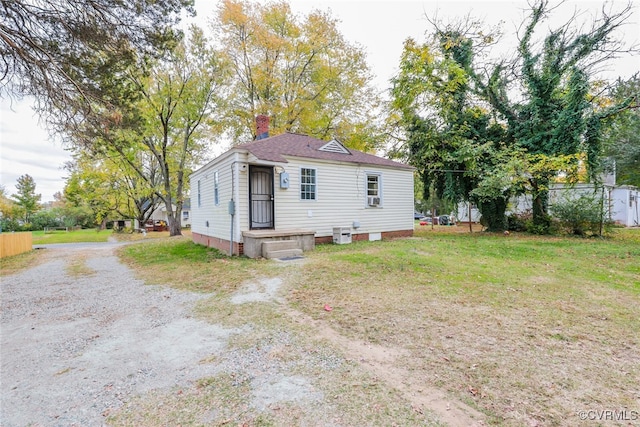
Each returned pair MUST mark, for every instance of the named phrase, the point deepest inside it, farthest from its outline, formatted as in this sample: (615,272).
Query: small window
(185,215)
(216,189)
(307,184)
(374,193)
(199,196)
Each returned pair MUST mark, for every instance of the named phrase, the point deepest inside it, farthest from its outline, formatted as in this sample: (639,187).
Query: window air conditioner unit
(373,201)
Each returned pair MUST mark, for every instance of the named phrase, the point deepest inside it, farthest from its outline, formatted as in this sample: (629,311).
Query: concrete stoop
(281,249)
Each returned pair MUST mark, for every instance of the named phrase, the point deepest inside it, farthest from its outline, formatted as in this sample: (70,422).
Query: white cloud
(26,148)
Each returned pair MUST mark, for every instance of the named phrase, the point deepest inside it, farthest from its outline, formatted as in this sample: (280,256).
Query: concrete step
(283,253)
(279,245)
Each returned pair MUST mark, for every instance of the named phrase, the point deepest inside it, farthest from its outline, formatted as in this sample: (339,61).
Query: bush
(542,225)
(519,221)
(45,218)
(581,216)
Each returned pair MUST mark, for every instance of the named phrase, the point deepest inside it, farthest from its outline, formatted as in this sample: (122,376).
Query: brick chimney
(262,126)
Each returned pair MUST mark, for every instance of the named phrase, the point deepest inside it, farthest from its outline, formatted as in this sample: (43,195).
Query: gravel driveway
(82,340)
(75,348)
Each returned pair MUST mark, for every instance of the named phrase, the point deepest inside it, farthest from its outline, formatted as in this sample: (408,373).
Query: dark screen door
(261,197)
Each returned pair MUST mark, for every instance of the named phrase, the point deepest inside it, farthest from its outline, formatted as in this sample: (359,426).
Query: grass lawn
(527,330)
(74,236)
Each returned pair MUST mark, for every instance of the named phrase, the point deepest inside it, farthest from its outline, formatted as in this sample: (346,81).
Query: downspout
(232,202)
(232,207)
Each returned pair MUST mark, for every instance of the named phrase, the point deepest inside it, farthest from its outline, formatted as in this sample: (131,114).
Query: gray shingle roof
(296,145)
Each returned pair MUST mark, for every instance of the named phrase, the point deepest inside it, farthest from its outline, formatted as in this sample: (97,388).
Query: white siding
(217,216)
(341,196)
(625,208)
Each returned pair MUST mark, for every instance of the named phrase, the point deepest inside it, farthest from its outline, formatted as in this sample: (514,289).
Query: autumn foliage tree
(300,71)
(161,124)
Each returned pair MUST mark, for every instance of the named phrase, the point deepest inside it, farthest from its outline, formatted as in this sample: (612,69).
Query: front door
(261,197)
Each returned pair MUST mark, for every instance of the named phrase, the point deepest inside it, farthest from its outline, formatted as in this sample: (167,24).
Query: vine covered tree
(484,132)
(451,138)
(546,100)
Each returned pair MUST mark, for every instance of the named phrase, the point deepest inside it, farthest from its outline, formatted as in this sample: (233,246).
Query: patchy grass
(528,330)
(78,267)
(16,263)
(73,236)
(349,395)
(179,262)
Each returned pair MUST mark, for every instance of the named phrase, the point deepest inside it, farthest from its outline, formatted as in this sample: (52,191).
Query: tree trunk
(493,214)
(173,218)
(541,220)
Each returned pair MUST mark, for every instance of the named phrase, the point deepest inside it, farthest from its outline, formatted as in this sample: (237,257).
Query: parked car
(417,215)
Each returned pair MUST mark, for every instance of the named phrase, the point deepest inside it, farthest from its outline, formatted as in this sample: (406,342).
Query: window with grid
(307,184)
(373,185)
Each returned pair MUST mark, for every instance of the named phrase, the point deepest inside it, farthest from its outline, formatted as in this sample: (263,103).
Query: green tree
(110,188)
(63,51)
(300,71)
(26,200)
(158,136)
(451,138)
(548,106)
(622,135)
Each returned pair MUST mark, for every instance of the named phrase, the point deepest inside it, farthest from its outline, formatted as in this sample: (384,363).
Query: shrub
(519,221)
(581,216)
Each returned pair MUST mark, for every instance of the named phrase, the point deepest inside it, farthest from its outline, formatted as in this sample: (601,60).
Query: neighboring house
(620,202)
(300,190)
(160,214)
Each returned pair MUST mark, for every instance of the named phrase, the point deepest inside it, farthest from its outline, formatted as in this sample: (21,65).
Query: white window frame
(378,175)
(313,185)
(216,188)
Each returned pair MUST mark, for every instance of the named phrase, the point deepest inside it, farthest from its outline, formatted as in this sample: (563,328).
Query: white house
(160,214)
(300,190)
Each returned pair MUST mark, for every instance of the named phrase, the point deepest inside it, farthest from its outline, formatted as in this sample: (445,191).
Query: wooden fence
(15,243)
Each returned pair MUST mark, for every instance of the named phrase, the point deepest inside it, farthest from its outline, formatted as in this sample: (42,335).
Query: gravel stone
(75,348)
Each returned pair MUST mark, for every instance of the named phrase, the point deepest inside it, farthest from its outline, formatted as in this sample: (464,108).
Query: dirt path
(384,363)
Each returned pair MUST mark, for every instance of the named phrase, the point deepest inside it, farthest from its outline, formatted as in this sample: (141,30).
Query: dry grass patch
(18,263)
(78,267)
(182,264)
(528,330)
(272,356)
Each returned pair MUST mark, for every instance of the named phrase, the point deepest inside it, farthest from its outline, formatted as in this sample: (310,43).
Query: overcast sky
(380,27)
